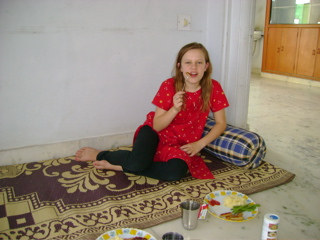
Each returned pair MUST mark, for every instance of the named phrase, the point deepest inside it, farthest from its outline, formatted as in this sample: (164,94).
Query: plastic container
(270,227)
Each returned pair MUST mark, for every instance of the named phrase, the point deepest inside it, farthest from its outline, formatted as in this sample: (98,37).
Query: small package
(203,211)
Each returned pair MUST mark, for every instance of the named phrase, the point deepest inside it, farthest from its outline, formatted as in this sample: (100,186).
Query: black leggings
(140,160)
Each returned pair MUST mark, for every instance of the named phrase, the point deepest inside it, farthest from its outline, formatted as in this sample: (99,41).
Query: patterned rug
(65,199)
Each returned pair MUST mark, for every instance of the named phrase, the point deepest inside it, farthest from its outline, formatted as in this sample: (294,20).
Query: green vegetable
(243,208)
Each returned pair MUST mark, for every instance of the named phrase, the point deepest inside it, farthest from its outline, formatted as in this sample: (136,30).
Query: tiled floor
(287,116)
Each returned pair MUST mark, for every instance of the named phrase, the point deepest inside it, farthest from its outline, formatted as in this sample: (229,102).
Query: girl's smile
(192,74)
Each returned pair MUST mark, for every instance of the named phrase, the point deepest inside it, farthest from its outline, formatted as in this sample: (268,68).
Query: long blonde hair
(205,83)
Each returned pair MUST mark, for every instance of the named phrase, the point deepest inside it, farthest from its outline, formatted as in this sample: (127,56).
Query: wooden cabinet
(307,52)
(281,49)
(317,63)
(293,51)
(272,57)
(292,41)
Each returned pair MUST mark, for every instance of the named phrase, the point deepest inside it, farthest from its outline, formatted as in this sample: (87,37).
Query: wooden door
(289,39)
(281,49)
(307,51)
(317,63)
(273,49)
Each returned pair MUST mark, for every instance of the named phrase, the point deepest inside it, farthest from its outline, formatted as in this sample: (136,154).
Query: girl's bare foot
(86,154)
(103,164)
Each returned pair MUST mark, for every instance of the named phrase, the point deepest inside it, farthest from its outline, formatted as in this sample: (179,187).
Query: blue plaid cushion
(237,146)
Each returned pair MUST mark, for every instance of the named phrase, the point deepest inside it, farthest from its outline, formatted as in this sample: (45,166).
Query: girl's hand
(178,100)
(192,148)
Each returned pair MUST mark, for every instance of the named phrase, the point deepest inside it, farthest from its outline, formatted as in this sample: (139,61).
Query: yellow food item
(116,238)
(233,200)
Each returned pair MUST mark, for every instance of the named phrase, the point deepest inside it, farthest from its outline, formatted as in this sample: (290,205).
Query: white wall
(260,14)
(79,69)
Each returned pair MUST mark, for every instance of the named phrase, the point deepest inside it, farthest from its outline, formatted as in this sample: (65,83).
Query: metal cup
(172,236)
(190,210)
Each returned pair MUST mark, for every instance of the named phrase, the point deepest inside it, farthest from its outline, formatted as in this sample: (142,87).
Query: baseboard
(308,82)
(256,70)
(62,149)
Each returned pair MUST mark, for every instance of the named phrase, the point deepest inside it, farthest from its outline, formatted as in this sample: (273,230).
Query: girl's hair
(205,83)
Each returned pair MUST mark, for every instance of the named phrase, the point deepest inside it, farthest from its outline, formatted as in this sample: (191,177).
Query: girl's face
(193,62)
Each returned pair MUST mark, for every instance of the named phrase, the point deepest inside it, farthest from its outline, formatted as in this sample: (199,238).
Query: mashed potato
(117,238)
(233,200)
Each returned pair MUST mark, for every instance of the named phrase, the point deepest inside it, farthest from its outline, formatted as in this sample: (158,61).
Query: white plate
(219,209)
(126,233)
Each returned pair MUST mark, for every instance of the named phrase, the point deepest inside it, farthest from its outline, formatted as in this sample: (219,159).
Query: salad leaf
(243,208)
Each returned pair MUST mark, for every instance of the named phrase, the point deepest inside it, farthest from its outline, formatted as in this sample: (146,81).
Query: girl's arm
(163,118)
(216,130)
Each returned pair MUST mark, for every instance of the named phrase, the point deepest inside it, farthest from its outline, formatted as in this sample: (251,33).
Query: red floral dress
(187,127)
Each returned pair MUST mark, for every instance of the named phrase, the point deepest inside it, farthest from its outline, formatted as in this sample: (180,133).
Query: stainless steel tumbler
(190,210)
(172,236)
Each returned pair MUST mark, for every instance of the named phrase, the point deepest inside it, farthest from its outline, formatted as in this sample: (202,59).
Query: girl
(165,146)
